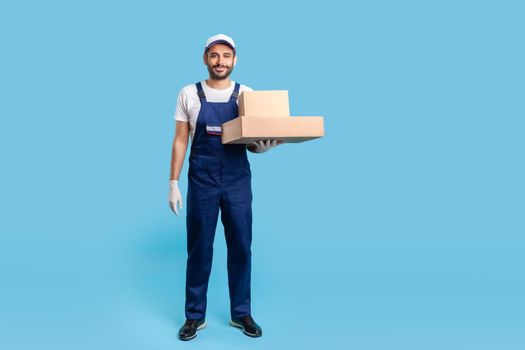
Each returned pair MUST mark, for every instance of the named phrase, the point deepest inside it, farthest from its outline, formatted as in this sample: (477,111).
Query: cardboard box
(266,115)
(246,129)
(264,103)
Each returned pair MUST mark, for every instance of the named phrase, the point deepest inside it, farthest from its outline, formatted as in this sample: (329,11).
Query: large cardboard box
(266,115)
(246,129)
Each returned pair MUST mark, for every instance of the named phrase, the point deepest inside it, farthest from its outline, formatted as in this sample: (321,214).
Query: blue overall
(219,176)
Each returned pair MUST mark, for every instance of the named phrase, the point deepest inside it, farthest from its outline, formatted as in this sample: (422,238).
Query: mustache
(220,66)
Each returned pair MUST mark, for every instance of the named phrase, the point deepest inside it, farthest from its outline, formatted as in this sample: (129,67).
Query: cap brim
(220,42)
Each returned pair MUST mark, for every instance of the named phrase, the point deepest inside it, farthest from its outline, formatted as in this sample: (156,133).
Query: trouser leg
(202,215)
(236,216)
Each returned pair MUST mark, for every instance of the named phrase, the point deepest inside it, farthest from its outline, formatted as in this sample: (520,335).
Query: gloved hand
(175,197)
(264,145)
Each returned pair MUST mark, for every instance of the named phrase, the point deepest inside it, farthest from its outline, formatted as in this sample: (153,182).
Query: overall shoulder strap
(200,91)
(235,92)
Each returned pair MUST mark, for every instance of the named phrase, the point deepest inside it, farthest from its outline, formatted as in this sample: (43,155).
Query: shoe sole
(248,334)
(202,326)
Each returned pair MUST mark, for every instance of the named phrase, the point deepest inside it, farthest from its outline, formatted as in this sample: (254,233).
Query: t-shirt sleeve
(181,111)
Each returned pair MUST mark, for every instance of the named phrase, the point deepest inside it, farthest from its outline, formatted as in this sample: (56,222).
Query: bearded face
(220,60)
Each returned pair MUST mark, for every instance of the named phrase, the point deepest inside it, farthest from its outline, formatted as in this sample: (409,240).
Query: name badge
(214,130)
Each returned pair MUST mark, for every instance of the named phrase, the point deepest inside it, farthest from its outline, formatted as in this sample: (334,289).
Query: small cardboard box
(264,103)
(266,115)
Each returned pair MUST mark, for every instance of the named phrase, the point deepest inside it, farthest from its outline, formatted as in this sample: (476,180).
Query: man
(219,176)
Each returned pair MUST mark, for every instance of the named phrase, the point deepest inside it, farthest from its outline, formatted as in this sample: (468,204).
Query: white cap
(220,39)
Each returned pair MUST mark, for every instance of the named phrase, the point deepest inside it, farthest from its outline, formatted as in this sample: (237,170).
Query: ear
(205,59)
(234,60)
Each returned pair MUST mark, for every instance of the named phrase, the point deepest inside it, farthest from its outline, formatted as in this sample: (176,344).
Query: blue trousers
(218,182)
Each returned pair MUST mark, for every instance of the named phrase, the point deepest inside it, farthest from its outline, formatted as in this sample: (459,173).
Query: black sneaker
(189,329)
(248,326)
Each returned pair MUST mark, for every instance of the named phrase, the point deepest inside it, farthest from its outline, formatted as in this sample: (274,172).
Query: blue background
(403,228)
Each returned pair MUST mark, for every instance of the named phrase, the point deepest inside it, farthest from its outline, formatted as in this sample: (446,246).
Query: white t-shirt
(189,104)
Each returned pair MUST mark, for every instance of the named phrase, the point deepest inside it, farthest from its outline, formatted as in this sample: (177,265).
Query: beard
(220,76)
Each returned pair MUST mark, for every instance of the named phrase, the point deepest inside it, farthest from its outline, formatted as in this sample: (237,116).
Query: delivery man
(219,176)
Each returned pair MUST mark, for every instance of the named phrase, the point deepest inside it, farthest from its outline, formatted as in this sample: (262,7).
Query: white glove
(265,145)
(175,198)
